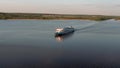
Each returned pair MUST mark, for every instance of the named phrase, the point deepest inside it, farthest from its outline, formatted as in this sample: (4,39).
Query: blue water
(32,44)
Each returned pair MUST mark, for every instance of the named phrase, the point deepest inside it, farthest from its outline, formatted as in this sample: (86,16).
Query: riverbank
(38,16)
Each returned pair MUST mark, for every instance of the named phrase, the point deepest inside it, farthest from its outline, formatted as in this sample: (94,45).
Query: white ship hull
(64,31)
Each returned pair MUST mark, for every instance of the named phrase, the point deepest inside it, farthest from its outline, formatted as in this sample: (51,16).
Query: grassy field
(55,16)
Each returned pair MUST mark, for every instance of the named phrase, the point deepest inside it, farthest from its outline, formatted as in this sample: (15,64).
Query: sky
(91,7)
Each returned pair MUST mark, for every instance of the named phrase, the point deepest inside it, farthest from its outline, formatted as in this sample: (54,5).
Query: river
(32,44)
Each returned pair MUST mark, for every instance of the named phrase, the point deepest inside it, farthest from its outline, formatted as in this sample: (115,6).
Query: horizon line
(60,13)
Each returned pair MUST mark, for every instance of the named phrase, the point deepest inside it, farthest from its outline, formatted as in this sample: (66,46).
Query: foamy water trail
(84,26)
(101,27)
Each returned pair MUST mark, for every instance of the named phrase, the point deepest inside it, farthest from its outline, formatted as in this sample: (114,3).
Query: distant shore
(37,16)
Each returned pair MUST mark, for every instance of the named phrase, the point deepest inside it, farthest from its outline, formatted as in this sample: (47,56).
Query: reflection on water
(59,39)
(63,37)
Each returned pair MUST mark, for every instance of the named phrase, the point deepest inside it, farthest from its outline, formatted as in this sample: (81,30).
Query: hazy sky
(99,7)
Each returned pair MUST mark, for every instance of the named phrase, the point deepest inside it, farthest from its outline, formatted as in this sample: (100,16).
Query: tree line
(55,16)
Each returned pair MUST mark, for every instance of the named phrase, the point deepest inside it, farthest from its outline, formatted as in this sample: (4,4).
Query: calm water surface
(32,44)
